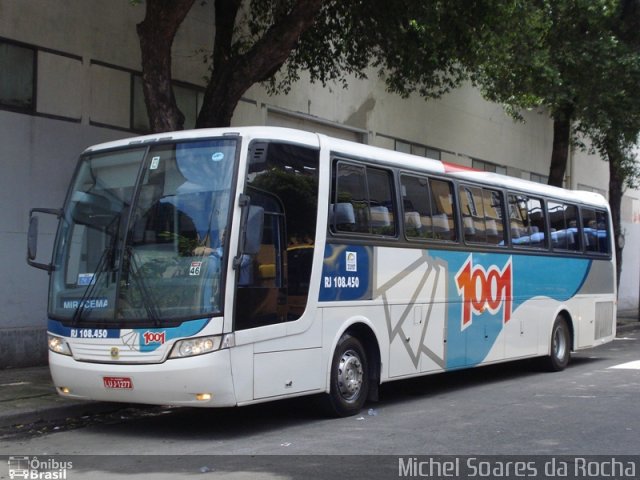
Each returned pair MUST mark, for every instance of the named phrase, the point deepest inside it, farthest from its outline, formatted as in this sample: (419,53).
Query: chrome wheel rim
(350,375)
(559,343)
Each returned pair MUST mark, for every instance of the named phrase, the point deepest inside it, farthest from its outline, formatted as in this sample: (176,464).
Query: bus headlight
(58,345)
(197,346)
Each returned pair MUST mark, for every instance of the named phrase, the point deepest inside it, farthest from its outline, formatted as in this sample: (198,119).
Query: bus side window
(428,208)
(526,222)
(563,222)
(536,228)
(472,210)
(417,207)
(589,229)
(518,219)
(362,200)
(482,217)
(595,231)
(443,210)
(604,235)
(351,189)
(494,226)
(381,204)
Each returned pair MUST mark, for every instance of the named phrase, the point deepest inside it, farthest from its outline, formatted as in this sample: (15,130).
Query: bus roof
(252,133)
(359,150)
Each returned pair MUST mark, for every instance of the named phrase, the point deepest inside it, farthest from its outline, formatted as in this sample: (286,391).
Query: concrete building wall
(87,63)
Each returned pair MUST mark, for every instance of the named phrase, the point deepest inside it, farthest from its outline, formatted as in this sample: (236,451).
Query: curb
(627,327)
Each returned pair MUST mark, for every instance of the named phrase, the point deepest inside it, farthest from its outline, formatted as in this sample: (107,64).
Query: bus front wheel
(560,347)
(349,378)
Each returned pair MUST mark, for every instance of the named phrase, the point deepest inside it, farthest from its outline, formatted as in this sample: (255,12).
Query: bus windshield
(142,236)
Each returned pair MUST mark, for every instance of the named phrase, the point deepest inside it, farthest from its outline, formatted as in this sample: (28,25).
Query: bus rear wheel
(349,378)
(560,347)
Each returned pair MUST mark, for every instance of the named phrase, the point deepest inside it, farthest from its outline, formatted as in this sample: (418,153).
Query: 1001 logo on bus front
(484,290)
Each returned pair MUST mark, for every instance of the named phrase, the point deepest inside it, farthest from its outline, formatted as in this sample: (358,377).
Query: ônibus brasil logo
(38,469)
(484,290)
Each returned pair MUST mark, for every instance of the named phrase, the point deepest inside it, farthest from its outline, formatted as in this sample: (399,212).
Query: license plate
(117,382)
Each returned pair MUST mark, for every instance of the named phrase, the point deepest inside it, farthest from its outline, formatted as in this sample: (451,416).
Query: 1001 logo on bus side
(484,290)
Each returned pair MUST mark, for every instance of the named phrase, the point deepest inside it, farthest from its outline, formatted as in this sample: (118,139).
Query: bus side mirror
(32,237)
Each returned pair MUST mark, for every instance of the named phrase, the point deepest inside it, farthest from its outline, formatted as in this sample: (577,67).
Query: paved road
(589,409)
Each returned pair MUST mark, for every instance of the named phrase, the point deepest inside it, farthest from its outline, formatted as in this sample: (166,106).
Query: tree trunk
(560,149)
(616,190)
(156,33)
(233,75)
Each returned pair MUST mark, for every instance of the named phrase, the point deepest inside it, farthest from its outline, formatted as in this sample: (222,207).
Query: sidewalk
(27,395)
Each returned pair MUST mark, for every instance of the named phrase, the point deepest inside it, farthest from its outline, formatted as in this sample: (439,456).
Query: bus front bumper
(200,381)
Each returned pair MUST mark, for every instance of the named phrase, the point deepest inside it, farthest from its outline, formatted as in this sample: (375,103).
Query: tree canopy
(416,45)
(579,59)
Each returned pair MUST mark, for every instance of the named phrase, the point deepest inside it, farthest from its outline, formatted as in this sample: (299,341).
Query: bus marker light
(64,390)
(203,397)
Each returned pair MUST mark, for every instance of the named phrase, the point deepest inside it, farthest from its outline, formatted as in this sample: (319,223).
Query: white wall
(38,159)
(630,276)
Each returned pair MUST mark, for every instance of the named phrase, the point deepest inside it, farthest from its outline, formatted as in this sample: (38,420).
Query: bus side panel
(446,309)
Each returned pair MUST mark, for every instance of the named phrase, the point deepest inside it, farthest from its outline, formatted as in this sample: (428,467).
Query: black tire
(349,378)
(559,346)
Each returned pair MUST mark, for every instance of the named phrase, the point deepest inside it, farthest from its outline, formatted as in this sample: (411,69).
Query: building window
(535,177)
(17,73)
(417,149)
(139,117)
(488,167)
(188,98)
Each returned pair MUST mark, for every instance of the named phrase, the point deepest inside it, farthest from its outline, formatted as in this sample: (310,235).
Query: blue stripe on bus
(533,276)
(147,339)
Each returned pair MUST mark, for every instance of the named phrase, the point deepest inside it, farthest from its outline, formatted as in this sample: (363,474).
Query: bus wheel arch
(354,373)
(560,343)
(370,343)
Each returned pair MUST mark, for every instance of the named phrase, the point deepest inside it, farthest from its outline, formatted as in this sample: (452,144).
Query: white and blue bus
(233,266)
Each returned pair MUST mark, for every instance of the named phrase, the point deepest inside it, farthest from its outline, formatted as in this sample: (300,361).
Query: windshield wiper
(107,259)
(104,258)
(148,300)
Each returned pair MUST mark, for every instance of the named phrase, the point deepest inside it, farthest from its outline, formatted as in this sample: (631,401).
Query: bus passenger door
(261,298)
